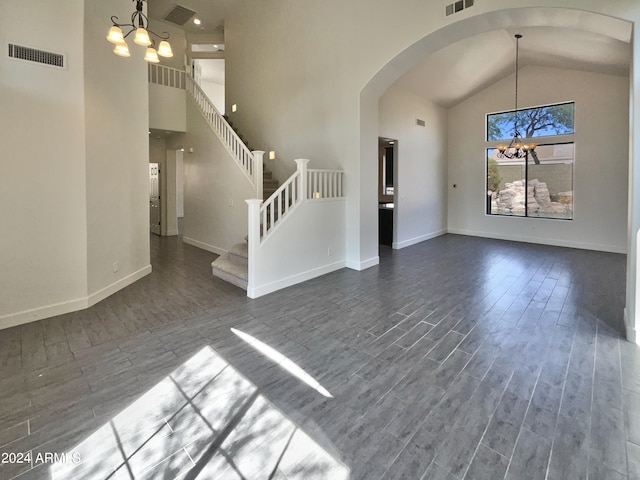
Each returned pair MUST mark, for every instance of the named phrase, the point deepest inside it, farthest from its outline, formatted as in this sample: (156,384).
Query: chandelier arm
(164,36)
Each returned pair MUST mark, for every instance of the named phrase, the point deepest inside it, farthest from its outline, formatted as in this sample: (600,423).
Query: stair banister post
(302,168)
(258,158)
(253,238)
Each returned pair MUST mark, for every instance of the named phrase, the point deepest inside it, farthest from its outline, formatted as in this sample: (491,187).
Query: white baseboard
(47,311)
(421,238)
(259,291)
(541,241)
(34,314)
(171,233)
(632,334)
(204,246)
(109,290)
(355,265)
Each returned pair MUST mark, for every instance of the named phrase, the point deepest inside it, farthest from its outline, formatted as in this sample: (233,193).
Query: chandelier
(139,24)
(517,148)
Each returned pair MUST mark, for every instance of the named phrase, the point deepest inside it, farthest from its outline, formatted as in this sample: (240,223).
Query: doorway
(154,198)
(387,160)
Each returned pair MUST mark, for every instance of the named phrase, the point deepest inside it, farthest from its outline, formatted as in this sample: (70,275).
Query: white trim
(541,241)
(631,332)
(259,291)
(204,246)
(109,290)
(355,265)
(171,233)
(32,315)
(421,238)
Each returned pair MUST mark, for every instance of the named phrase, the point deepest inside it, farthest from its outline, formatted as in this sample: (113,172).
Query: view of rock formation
(511,200)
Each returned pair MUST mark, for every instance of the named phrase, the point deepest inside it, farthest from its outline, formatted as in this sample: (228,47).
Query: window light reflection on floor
(202,421)
(289,365)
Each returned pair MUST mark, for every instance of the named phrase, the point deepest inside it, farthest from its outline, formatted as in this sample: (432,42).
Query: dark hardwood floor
(457,358)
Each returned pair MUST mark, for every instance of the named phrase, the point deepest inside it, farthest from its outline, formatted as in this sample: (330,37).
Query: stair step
(269,183)
(240,250)
(231,268)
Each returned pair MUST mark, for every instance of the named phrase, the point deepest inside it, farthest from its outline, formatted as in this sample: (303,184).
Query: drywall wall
(421,163)
(317,95)
(601,166)
(314,235)
(167,108)
(76,203)
(215,92)
(117,157)
(42,168)
(215,189)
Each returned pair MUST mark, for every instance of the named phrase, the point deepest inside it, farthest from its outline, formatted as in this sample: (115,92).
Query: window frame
(546,140)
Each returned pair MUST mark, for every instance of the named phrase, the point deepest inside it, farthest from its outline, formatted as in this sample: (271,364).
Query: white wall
(316,95)
(600,168)
(215,92)
(74,168)
(42,167)
(167,108)
(307,244)
(215,189)
(421,165)
(117,157)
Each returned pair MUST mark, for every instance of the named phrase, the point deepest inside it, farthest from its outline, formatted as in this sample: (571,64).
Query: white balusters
(324,184)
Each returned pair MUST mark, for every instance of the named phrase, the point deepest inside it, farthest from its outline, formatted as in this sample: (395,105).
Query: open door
(386,189)
(154,198)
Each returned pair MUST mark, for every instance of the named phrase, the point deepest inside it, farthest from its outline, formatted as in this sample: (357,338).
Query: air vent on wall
(37,56)
(458,6)
(179,15)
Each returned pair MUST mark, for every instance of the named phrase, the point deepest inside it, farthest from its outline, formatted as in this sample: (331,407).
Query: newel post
(302,168)
(258,158)
(253,239)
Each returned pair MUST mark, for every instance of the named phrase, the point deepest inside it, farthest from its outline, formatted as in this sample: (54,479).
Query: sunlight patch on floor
(204,420)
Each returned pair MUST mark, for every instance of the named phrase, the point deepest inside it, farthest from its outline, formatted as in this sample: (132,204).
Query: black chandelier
(517,148)
(139,24)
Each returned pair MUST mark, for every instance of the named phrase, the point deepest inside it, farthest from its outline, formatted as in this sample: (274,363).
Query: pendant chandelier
(517,148)
(139,24)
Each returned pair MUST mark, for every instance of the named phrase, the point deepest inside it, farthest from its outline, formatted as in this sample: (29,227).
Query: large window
(541,183)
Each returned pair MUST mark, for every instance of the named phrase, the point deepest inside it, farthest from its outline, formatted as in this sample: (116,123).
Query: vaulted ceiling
(470,65)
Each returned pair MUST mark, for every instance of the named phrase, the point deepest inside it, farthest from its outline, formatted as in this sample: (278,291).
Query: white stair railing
(304,184)
(250,162)
(167,76)
(324,183)
(312,200)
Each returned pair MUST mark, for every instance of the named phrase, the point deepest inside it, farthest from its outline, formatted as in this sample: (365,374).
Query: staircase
(233,266)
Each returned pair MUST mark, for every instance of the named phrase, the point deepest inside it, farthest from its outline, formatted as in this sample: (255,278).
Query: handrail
(243,156)
(303,184)
(166,76)
(285,198)
(324,183)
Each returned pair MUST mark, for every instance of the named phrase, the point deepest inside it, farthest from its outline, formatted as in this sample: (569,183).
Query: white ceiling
(462,69)
(470,65)
(210,12)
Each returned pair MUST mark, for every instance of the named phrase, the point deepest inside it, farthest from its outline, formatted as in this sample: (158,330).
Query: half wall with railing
(298,233)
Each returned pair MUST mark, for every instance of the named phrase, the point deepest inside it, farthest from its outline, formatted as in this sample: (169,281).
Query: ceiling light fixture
(197,21)
(140,25)
(517,148)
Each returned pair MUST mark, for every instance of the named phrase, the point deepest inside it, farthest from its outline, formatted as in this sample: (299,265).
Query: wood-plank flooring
(457,358)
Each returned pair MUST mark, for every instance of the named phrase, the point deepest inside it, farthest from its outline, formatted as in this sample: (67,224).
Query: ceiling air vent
(458,6)
(35,55)
(179,15)
(420,122)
